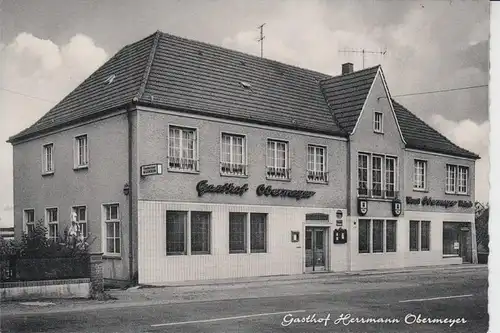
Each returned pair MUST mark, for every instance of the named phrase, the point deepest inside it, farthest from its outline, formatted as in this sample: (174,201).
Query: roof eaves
(149,64)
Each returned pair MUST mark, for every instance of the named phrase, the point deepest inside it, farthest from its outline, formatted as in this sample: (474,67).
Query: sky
(48,47)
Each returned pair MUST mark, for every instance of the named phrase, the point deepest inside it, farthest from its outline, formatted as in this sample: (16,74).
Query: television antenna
(364,52)
(261,39)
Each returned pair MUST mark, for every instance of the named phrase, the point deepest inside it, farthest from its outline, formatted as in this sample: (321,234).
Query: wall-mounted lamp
(126,189)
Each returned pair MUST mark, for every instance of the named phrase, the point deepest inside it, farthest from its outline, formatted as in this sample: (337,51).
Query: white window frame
(417,187)
(384,235)
(384,157)
(76,152)
(49,223)
(244,164)
(386,173)
(451,184)
(195,161)
(466,169)
(187,233)
(455,186)
(382,174)
(80,222)
(46,168)
(380,128)
(419,236)
(25,222)
(320,177)
(280,173)
(105,236)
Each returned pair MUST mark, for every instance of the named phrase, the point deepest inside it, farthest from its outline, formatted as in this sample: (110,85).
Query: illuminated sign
(228,188)
(269,191)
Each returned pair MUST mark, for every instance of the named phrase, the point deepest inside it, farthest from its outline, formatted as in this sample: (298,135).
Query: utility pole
(364,52)
(261,39)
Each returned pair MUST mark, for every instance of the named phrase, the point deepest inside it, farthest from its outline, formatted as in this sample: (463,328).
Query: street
(453,301)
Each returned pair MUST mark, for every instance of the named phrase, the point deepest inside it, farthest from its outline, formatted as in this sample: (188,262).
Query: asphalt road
(460,296)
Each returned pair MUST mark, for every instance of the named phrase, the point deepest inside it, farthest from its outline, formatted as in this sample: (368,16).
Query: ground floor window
(29,220)
(451,238)
(81,219)
(376,235)
(178,229)
(420,235)
(51,216)
(247,229)
(112,222)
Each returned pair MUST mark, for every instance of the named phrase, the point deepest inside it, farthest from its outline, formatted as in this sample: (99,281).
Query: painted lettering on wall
(428,201)
(228,188)
(269,191)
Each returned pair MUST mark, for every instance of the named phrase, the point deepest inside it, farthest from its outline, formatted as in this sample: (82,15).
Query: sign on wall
(280,192)
(396,207)
(228,188)
(151,169)
(428,201)
(362,206)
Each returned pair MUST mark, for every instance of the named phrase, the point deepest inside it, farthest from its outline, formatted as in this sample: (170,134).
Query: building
(189,161)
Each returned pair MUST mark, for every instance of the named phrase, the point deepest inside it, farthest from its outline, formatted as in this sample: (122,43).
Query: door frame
(326,246)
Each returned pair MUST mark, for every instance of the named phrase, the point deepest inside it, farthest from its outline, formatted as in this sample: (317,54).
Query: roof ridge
(257,58)
(149,64)
(431,127)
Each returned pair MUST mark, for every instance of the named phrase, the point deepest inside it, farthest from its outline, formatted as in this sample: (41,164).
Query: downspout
(348,206)
(130,196)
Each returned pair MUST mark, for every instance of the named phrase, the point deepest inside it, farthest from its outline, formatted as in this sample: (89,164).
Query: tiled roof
(346,95)
(419,135)
(180,74)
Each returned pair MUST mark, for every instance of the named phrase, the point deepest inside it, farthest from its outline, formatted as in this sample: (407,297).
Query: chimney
(347,68)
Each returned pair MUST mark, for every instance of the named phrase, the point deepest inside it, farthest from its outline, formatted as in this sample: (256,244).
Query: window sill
(233,176)
(378,132)
(451,256)
(457,194)
(316,182)
(183,171)
(279,179)
(420,190)
(47,173)
(112,256)
(81,167)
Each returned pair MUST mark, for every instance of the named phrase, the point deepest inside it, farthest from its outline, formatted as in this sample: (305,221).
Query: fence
(14,269)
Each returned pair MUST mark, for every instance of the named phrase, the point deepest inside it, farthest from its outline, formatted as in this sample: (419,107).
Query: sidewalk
(211,290)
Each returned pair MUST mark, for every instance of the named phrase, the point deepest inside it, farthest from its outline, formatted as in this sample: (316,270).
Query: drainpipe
(130,196)
(348,206)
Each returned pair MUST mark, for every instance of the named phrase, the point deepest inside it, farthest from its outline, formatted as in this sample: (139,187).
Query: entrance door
(316,249)
(465,243)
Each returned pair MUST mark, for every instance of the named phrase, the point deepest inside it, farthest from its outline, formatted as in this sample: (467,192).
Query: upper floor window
(81,150)
(316,164)
(378,122)
(420,175)
(51,216)
(377,175)
(29,220)
(80,215)
(112,229)
(277,160)
(182,149)
(48,158)
(233,155)
(457,178)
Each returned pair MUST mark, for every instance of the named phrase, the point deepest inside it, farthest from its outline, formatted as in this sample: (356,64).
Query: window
(112,222)
(277,165)
(420,175)
(182,149)
(233,155)
(316,164)
(456,179)
(200,232)
(48,158)
(81,219)
(377,180)
(363,174)
(451,178)
(377,176)
(378,122)
(390,236)
(81,151)
(258,228)
(241,234)
(176,232)
(376,236)
(178,229)
(390,177)
(452,237)
(420,235)
(29,220)
(51,216)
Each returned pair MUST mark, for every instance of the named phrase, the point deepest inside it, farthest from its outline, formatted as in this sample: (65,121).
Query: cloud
(474,137)
(41,69)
